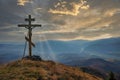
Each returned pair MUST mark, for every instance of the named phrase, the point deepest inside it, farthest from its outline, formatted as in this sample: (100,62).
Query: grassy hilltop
(42,70)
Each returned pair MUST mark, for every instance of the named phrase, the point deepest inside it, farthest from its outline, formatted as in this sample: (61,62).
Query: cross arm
(22,25)
(36,25)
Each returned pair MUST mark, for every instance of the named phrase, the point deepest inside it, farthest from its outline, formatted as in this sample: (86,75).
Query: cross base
(34,58)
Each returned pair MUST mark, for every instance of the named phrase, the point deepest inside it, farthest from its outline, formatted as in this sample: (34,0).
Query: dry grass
(42,70)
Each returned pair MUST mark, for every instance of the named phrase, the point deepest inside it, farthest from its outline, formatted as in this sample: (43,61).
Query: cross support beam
(23,25)
(29,26)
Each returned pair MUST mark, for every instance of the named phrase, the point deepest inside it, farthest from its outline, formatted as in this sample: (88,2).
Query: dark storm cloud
(10,12)
(61,36)
(8,29)
(104,3)
(106,25)
(50,27)
(62,19)
(10,16)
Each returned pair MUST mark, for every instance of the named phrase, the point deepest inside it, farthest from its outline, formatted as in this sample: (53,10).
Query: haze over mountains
(97,54)
(105,48)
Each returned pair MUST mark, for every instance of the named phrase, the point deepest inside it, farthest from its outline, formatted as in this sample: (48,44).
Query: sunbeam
(45,50)
(52,54)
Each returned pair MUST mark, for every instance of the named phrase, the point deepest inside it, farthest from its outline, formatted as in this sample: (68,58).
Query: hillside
(99,64)
(42,70)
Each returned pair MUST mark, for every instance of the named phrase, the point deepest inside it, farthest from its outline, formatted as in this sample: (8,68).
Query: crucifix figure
(29,26)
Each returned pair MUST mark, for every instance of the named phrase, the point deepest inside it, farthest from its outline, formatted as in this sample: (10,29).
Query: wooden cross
(29,26)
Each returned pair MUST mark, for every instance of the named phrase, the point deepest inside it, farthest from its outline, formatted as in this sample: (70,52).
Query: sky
(60,19)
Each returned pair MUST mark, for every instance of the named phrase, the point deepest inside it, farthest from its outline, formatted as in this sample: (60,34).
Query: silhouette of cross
(29,26)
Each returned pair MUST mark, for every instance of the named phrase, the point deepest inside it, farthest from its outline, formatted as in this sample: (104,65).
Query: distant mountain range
(105,48)
(101,54)
(65,51)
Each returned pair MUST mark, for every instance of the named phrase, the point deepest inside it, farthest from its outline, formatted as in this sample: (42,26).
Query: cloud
(94,38)
(23,2)
(112,12)
(61,19)
(69,8)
